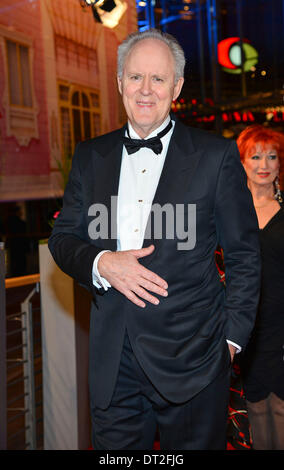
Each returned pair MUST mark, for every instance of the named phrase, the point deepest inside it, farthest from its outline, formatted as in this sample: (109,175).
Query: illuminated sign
(230,55)
(190,109)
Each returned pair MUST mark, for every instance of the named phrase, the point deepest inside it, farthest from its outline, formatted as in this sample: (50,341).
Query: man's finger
(144,294)
(134,299)
(143,251)
(153,287)
(153,278)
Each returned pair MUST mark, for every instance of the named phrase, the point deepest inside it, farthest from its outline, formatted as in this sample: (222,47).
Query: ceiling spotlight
(92,2)
(107,12)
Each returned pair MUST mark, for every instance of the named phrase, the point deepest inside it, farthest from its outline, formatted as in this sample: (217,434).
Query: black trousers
(137,410)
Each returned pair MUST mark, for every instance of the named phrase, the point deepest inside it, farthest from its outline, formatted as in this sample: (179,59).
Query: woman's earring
(277,195)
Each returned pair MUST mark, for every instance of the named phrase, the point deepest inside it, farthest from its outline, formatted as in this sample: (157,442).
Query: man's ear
(178,87)
(119,83)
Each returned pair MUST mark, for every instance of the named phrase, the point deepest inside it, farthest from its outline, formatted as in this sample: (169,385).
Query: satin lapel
(107,163)
(179,168)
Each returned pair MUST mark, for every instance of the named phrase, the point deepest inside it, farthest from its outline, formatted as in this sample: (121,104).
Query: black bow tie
(154,143)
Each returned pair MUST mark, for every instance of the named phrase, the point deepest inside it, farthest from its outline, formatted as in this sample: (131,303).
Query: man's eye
(157,79)
(135,77)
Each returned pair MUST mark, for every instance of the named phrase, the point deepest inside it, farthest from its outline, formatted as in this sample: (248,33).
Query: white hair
(175,48)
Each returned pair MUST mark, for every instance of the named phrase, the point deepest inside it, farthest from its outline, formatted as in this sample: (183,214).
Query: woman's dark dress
(263,359)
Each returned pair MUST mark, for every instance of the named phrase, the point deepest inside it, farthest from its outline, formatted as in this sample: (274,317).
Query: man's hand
(124,272)
(232,350)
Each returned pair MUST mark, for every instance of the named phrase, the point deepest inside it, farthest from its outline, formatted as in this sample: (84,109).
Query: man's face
(148,85)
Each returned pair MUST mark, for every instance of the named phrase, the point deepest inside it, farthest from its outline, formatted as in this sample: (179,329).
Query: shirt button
(143,171)
(136,230)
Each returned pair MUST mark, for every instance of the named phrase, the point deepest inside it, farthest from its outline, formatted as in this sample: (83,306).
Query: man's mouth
(145,103)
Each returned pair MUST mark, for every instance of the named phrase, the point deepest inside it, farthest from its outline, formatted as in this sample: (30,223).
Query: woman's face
(261,164)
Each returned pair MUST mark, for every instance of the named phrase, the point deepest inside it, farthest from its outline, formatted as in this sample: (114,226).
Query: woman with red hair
(262,153)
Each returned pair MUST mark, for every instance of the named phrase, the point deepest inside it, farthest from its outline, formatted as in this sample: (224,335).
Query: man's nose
(146,86)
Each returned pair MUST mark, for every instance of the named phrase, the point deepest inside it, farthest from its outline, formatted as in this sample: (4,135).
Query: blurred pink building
(57,87)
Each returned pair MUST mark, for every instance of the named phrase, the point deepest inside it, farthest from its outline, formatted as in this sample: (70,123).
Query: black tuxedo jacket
(181,343)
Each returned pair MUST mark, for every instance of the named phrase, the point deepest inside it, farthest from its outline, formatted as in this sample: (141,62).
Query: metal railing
(23,394)
(3,374)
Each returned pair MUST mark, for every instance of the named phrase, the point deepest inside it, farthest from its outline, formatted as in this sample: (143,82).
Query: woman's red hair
(258,134)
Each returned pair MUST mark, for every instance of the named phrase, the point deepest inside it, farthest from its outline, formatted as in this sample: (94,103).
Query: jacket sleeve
(238,235)
(69,243)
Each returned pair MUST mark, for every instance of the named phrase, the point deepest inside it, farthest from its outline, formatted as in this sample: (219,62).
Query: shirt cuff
(99,281)
(238,348)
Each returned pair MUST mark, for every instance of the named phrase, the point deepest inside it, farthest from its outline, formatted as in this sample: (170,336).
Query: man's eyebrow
(161,75)
(134,73)
(156,74)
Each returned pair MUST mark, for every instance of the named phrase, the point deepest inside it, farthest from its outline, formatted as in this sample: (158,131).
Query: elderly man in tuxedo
(144,210)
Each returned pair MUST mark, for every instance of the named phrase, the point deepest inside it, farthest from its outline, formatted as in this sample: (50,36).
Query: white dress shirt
(139,176)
